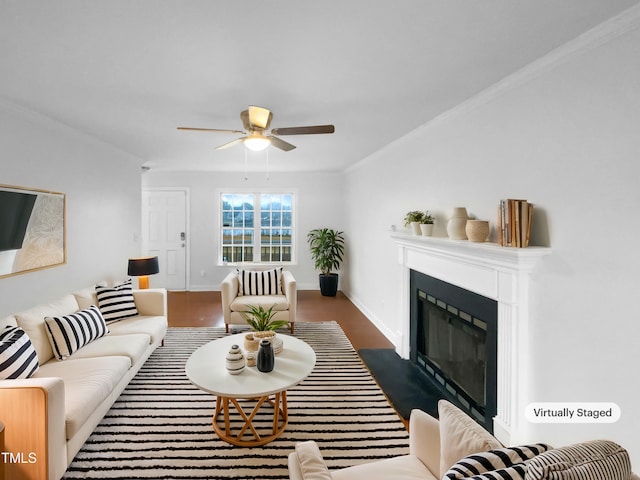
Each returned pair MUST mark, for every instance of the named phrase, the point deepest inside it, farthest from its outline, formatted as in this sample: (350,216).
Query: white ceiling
(129,72)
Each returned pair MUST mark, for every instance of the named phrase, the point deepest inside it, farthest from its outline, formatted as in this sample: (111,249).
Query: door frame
(187,227)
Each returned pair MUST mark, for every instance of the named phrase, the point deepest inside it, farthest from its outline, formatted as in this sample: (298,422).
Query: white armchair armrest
(290,292)
(306,463)
(424,439)
(228,292)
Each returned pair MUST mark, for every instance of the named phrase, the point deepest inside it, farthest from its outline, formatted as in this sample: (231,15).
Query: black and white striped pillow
(18,358)
(69,333)
(501,463)
(594,460)
(266,282)
(116,302)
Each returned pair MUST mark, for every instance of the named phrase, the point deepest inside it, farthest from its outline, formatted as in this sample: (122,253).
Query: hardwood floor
(204,309)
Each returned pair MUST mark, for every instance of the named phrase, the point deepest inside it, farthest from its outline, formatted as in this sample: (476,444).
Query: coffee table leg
(280,415)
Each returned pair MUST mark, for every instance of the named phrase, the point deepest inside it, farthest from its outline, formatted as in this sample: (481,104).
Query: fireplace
(453,340)
(499,274)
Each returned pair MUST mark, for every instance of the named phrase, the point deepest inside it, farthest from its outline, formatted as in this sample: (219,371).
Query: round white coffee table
(206,370)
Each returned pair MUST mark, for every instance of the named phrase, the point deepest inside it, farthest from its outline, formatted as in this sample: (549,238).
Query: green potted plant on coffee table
(261,321)
(327,248)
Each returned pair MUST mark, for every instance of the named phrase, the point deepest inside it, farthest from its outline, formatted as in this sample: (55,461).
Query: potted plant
(263,325)
(413,219)
(426,224)
(327,248)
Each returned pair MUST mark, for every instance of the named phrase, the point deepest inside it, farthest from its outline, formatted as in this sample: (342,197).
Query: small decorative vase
(477,230)
(457,223)
(235,362)
(415,228)
(426,229)
(251,343)
(265,358)
(251,359)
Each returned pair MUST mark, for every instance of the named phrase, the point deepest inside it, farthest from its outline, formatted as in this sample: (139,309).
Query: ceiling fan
(256,121)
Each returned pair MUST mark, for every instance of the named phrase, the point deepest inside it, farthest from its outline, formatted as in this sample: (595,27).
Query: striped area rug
(160,427)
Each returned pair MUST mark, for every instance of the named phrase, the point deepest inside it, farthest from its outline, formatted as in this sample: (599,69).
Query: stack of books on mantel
(514,223)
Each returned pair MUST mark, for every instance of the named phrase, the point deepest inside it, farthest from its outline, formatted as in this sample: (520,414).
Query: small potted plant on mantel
(426,224)
(413,219)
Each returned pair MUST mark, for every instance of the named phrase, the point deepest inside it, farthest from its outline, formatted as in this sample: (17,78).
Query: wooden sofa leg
(291,326)
(226,326)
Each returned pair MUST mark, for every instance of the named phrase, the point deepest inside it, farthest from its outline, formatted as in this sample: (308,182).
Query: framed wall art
(32,229)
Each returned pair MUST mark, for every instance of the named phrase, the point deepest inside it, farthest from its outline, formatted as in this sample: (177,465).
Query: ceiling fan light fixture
(256,143)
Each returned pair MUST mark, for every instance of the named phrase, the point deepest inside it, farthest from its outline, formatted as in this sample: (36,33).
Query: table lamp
(142,268)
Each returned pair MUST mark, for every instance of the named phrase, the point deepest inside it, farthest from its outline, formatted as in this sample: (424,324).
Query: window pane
(287,236)
(286,219)
(287,201)
(276,219)
(227,219)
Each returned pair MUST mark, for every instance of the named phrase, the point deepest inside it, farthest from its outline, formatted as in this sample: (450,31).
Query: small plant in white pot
(413,219)
(426,224)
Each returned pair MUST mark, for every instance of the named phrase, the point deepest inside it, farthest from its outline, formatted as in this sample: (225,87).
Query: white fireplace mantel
(499,273)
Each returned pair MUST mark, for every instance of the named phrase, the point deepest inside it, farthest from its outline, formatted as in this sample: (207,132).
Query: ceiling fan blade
(281,144)
(304,130)
(230,144)
(211,130)
(259,117)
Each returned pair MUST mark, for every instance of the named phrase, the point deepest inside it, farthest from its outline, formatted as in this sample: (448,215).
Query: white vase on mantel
(426,229)
(457,224)
(415,228)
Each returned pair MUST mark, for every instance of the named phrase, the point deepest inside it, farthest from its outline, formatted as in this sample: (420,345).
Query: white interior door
(164,233)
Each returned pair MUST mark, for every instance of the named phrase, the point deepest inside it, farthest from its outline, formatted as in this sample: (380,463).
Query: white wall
(564,135)
(102,188)
(319,203)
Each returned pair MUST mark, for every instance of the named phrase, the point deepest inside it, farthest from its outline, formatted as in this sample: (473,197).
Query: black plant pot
(329,284)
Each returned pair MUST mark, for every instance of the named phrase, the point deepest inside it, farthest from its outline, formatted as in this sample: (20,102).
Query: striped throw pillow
(266,282)
(501,463)
(594,460)
(18,358)
(116,302)
(69,333)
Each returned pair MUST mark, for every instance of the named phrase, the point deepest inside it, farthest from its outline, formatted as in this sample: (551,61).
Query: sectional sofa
(49,415)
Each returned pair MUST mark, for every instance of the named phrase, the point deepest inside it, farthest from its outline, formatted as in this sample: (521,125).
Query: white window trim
(257,191)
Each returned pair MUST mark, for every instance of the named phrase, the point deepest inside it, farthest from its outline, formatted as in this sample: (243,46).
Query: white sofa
(434,449)
(234,306)
(49,416)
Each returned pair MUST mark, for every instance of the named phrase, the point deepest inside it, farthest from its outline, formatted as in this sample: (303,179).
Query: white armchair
(423,461)
(233,304)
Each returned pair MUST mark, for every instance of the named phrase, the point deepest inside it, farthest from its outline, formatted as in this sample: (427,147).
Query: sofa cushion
(460,436)
(154,327)
(507,463)
(116,302)
(594,460)
(69,333)
(265,282)
(243,304)
(87,383)
(86,297)
(18,358)
(133,346)
(32,322)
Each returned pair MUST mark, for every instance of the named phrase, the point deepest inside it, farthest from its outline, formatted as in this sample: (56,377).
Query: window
(256,227)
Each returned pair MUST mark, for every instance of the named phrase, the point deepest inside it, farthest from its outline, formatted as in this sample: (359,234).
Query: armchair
(235,302)
(423,460)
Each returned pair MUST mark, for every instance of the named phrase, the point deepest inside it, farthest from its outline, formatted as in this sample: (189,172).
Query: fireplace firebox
(453,340)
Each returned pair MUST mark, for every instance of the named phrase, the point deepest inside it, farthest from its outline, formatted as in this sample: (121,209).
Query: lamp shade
(143,266)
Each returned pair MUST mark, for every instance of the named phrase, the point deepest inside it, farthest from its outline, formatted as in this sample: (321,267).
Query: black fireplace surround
(453,340)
